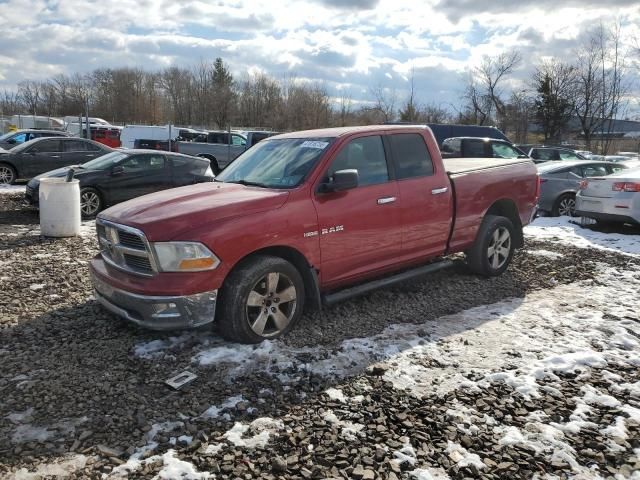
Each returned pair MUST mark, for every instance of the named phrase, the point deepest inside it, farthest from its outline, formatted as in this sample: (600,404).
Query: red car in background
(109,136)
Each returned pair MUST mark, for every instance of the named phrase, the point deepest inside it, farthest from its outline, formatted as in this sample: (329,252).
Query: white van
(131,133)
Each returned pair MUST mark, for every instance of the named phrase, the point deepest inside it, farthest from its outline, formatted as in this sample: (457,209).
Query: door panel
(43,156)
(425,202)
(141,174)
(359,229)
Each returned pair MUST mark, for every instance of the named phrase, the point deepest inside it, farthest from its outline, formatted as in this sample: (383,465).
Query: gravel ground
(73,379)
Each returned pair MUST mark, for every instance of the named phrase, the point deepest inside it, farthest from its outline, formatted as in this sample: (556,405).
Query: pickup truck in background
(307,219)
(477,147)
(220,147)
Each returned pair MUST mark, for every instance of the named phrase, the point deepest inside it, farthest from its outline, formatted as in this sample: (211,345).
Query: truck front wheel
(261,299)
(494,247)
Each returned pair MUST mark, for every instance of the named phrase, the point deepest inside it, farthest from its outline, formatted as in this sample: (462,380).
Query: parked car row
(123,175)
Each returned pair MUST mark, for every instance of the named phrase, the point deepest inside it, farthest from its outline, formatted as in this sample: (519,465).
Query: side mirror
(12,141)
(342,180)
(117,170)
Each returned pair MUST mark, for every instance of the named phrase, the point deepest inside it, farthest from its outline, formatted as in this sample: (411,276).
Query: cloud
(350,4)
(348,46)
(458,9)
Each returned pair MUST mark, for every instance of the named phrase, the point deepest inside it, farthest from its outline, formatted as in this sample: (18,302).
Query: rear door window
(594,170)
(544,154)
(74,146)
(411,156)
(46,146)
(365,154)
(565,155)
(452,146)
(474,148)
(143,163)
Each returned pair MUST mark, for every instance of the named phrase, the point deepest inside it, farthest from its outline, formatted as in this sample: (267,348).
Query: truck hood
(166,215)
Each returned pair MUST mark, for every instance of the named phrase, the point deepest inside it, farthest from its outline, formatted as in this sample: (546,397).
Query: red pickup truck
(305,219)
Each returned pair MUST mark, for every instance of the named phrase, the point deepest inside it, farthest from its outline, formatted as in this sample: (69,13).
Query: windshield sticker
(311,144)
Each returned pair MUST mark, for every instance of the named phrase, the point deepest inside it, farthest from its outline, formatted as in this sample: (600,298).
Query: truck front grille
(125,248)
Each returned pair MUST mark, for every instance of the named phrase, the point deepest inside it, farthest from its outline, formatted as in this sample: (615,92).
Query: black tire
(249,283)
(8,174)
(478,257)
(90,202)
(215,168)
(559,206)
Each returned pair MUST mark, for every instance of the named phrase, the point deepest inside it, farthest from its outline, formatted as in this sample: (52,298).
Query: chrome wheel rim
(89,203)
(567,206)
(271,304)
(6,175)
(499,248)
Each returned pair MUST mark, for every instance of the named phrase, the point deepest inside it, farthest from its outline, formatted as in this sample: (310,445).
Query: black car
(126,174)
(44,154)
(13,139)
(541,154)
(476,147)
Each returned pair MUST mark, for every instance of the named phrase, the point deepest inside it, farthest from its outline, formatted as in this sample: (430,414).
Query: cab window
(543,154)
(238,140)
(365,154)
(474,148)
(568,155)
(411,156)
(19,138)
(500,150)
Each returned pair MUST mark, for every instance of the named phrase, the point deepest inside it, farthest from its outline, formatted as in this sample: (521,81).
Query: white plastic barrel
(59,207)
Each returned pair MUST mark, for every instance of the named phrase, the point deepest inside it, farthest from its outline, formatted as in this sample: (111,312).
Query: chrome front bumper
(157,312)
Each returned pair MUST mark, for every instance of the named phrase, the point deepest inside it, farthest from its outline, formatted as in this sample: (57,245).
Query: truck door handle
(55,156)
(437,191)
(385,200)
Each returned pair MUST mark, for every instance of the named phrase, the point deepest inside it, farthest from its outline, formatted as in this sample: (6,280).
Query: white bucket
(59,207)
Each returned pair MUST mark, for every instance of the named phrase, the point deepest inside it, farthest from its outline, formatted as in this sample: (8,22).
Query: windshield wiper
(250,184)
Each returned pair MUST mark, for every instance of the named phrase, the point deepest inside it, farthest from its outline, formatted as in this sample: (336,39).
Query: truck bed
(459,166)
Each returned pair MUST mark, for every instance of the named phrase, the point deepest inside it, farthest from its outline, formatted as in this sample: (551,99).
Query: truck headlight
(184,257)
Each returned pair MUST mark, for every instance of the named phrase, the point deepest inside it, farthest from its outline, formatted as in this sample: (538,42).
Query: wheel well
(298,260)
(9,164)
(507,208)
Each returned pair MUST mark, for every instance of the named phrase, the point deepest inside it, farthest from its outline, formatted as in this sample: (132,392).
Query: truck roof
(342,131)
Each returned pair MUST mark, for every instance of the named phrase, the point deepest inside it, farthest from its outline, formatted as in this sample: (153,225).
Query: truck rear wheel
(261,299)
(494,247)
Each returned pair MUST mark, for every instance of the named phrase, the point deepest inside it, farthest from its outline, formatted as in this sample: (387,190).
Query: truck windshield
(276,163)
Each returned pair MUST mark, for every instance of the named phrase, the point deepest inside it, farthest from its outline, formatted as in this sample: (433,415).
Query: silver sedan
(611,199)
(560,181)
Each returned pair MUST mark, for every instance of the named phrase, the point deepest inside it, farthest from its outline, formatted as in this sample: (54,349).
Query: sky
(350,47)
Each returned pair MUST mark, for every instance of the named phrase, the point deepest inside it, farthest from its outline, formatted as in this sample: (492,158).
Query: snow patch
(255,434)
(566,231)
(215,410)
(59,469)
(348,430)
(462,457)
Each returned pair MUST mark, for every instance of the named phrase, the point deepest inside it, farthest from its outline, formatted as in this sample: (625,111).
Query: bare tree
(29,92)
(385,102)
(491,74)
(410,111)
(479,107)
(344,108)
